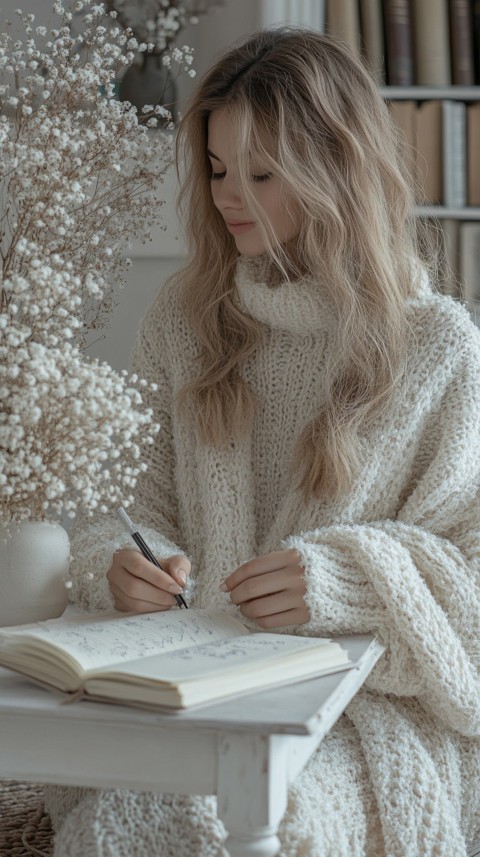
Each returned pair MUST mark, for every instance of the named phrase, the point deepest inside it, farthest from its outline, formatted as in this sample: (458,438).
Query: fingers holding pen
(178,566)
(139,599)
(140,567)
(138,585)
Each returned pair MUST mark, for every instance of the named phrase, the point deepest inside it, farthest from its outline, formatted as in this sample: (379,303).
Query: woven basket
(25,829)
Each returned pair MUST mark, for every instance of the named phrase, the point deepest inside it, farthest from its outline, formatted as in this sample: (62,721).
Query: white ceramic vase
(34,559)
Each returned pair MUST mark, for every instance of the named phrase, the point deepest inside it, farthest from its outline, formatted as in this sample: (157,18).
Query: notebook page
(96,641)
(212,671)
(227,655)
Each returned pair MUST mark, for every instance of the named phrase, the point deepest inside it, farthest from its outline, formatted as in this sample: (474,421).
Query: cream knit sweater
(399,774)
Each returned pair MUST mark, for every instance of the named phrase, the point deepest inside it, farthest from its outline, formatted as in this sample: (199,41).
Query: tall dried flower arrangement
(156,23)
(79,178)
(159,22)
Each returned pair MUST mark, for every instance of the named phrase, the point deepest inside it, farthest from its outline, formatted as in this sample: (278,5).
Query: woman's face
(280,208)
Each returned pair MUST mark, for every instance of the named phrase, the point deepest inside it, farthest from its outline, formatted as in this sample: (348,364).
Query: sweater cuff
(340,598)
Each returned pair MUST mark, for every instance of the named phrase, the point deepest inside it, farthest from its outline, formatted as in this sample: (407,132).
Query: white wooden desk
(246,750)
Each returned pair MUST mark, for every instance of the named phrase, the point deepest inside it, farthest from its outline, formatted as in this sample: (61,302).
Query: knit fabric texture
(398,775)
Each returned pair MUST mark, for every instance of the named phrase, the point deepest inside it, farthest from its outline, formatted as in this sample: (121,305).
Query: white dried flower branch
(68,431)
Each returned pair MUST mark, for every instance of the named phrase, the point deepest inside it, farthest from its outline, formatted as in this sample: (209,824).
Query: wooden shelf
(443,213)
(430,93)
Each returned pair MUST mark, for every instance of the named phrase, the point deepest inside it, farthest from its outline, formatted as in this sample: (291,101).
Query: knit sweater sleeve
(155,508)
(415,579)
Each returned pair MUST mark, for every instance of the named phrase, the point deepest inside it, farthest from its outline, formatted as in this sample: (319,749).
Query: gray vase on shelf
(149,82)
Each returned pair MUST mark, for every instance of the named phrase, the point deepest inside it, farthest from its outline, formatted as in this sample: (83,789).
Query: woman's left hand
(270,589)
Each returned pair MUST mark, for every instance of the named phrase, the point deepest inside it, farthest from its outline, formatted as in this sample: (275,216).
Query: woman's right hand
(138,586)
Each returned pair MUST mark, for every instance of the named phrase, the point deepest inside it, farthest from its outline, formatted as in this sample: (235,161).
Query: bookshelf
(425,58)
(436,93)
(459,224)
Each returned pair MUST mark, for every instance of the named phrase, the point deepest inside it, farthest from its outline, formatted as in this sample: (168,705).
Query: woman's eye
(262,178)
(254,178)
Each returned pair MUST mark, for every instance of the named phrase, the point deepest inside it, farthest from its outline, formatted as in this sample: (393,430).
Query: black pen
(137,538)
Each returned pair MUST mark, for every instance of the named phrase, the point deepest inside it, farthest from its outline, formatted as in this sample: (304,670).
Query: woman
(318,465)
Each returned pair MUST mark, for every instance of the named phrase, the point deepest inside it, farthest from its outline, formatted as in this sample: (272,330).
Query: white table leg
(252,791)
(266,846)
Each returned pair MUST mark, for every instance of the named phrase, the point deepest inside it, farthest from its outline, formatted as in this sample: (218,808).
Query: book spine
(372,38)
(398,42)
(473,153)
(450,281)
(454,154)
(476,38)
(403,114)
(306,13)
(321,15)
(432,43)
(428,161)
(461,43)
(343,22)
(469,241)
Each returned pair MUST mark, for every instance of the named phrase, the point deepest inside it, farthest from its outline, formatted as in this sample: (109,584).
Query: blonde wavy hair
(300,102)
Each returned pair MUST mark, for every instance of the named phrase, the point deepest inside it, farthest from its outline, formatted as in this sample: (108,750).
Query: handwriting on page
(99,641)
(257,645)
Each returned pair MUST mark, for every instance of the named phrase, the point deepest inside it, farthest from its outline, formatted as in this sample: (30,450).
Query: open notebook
(174,659)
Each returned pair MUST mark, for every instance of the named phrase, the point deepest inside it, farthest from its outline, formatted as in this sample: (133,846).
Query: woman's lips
(237,228)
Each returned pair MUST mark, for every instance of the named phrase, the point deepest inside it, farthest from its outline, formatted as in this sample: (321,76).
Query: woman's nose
(228,193)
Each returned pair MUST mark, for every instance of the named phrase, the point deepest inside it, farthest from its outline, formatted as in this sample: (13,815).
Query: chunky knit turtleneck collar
(301,307)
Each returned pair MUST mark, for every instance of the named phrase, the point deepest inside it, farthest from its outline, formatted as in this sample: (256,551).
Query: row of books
(443,149)
(458,247)
(411,42)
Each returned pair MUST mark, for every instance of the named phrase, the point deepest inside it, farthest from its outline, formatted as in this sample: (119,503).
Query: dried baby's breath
(80,178)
